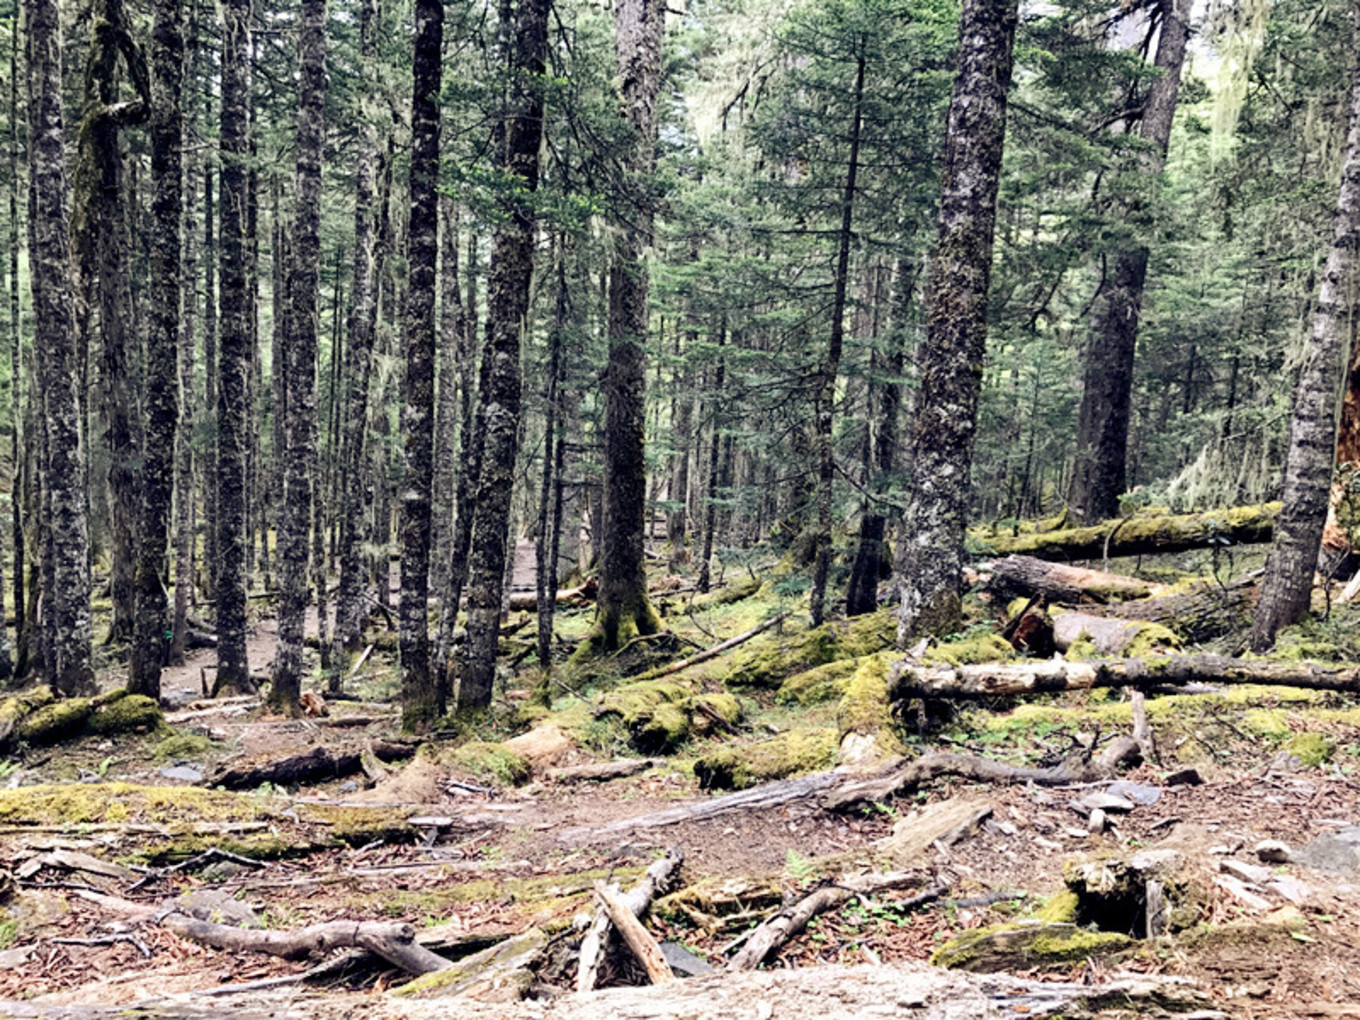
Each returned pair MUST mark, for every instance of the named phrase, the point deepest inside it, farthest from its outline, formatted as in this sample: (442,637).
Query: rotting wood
(1059,582)
(1109,637)
(1165,534)
(791,920)
(602,771)
(1208,610)
(638,938)
(715,651)
(316,765)
(656,879)
(909,680)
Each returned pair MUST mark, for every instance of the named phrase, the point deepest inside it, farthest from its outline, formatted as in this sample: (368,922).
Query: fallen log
(638,938)
(39,717)
(910,680)
(1208,610)
(791,920)
(601,772)
(1110,637)
(1027,576)
(314,766)
(715,651)
(657,879)
(1243,525)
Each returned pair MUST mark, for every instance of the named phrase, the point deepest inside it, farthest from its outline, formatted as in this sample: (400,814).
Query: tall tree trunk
(210,317)
(162,348)
(624,610)
(184,452)
(826,395)
(446,467)
(1098,477)
(66,599)
(712,475)
(304,271)
(234,355)
(1288,585)
(18,447)
(349,609)
(422,695)
(955,345)
(512,267)
(545,574)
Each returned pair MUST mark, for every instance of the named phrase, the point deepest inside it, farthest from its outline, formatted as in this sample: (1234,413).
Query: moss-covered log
(314,766)
(1084,636)
(737,767)
(1059,582)
(1206,611)
(37,717)
(987,680)
(1137,536)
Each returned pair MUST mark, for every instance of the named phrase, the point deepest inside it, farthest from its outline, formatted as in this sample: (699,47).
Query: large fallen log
(993,679)
(1110,637)
(317,765)
(37,716)
(1208,610)
(1060,582)
(657,879)
(1137,536)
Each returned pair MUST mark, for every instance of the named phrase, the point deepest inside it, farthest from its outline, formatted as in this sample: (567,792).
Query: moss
(1024,944)
(1060,909)
(655,713)
(129,712)
(818,685)
(792,753)
(183,746)
(1311,749)
(716,711)
(1151,637)
(866,708)
(771,658)
(55,722)
(971,651)
(12,710)
(1266,722)
(490,761)
(1082,650)
(735,592)
(506,966)
(1151,524)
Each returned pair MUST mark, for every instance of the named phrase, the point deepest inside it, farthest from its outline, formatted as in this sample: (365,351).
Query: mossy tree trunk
(422,696)
(554,442)
(150,646)
(1287,589)
(624,609)
(19,480)
(512,265)
(299,406)
(234,355)
(713,473)
(951,356)
(446,467)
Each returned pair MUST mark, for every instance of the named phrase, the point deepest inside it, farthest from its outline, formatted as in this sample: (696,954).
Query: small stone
(1273,851)
(1096,823)
(683,962)
(1184,777)
(1242,894)
(1047,844)
(1106,802)
(1139,793)
(1247,872)
(1076,833)
(349,786)
(1153,862)
(183,773)
(1291,889)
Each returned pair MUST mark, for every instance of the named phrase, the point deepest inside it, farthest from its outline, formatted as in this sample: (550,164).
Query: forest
(679,508)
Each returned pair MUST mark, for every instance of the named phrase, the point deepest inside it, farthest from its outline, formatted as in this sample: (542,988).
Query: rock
(1184,777)
(1242,894)
(1291,889)
(1139,793)
(683,962)
(1330,853)
(1247,872)
(183,773)
(1106,802)
(1155,862)
(1273,851)
(14,957)
(1096,823)
(216,906)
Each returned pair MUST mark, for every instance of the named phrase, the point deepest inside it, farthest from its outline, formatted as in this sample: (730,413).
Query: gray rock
(1291,889)
(1248,872)
(1096,823)
(1273,851)
(1330,853)
(183,773)
(1155,862)
(683,962)
(1139,793)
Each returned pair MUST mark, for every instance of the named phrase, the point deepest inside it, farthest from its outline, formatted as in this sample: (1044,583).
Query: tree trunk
(349,610)
(624,610)
(20,481)
(1027,576)
(512,265)
(447,420)
(162,349)
(234,356)
(826,394)
(422,699)
(210,369)
(554,439)
(66,599)
(955,345)
(1287,589)
(1098,476)
(299,405)
(711,476)
(184,454)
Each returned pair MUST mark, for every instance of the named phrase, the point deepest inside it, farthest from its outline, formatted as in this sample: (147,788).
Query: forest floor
(503,842)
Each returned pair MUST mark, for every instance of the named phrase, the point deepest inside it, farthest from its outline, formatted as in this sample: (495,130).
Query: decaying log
(1026,576)
(602,771)
(1109,637)
(1207,611)
(1134,537)
(638,938)
(790,921)
(37,716)
(909,680)
(715,651)
(657,879)
(527,601)
(317,765)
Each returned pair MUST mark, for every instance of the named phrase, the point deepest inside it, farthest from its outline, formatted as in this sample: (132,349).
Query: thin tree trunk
(1098,477)
(1287,589)
(512,267)
(209,378)
(826,396)
(711,476)
(624,610)
(18,447)
(66,573)
(184,456)
(446,426)
(545,574)
(349,612)
(299,454)
(956,327)
(422,695)
(162,348)
(234,357)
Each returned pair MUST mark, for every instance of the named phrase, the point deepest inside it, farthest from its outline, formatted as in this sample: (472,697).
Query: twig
(108,940)
(716,650)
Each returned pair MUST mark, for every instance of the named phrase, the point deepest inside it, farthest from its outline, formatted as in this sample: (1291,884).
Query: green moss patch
(772,658)
(865,707)
(1025,944)
(494,762)
(183,747)
(817,686)
(970,651)
(793,753)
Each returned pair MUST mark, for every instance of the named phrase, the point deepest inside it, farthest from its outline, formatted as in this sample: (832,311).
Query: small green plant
(798,866)
(9,931)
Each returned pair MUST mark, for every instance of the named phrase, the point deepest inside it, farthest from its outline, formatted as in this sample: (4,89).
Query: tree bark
(951,357)
(210,368)
(66,600)
(299,406)
(554,441)
(1027,576)
(1098,474)
(162,349)
(1287,590)
(422,695)
(826,394)
(512,265)
(234,356)
(624,610)
(349,611)
(447,417)
(20,482)
(712,474)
